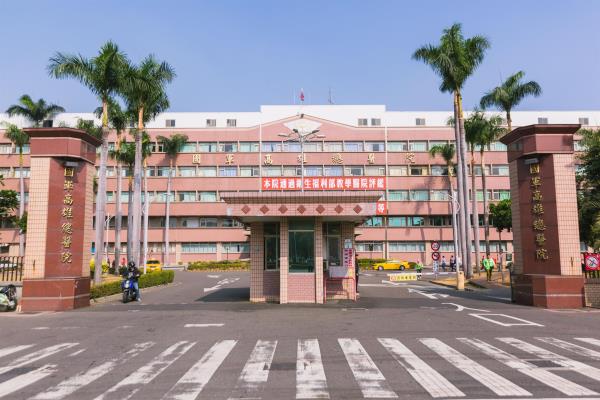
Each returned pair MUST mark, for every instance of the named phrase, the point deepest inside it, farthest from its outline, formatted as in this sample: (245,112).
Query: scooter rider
(133,273)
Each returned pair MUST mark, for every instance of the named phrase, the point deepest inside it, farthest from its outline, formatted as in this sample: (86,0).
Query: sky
(235,55)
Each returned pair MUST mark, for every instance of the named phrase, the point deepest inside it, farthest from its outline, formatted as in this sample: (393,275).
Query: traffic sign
(592,261)
(435,246)
(435,256)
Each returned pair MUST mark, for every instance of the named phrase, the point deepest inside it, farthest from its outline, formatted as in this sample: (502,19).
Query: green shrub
(367,263)
(105,266)
(147,280)
(218,265)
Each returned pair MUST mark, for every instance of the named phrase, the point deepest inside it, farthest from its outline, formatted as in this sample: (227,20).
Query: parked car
(153,266)
(392,264)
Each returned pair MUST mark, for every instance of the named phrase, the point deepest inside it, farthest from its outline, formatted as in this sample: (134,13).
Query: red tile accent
(320,209)
(283,209)
(357,209)
(338,209)
(245,209)
(264,209)
(301,209)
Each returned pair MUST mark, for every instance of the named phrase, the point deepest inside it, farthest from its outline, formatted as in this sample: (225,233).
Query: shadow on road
(227,295)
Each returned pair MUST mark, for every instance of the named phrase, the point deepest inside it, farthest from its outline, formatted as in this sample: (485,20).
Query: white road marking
(214,276)
(520,321)
(189,386)
(369,378)
(428,295)
(35,356)
(203,325)
(462,308)
(74,383)
(431,380)
(13,349)
(488,378)
(129,386)
(221,283)
(311,382)
(571,347)
(40,328)
(589,340)
(256,371)
(21,381)
(573,365)
(78,352)
(540,374)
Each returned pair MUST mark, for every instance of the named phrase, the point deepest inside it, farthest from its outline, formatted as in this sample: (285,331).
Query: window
(170,123)
(186,196)
(397,146)
(225,147)
(407,247)
(499,170)
(376,121)
(417,146)
(440,220)
(189,147)
(270,147)
(313,170)
(249,171)
(584,121)
(374,221)
(231,123)
(498,146)
(199,248)
(187,171)
(190,222)
(47,123)
(271,238)
(439,170)
(334,170)
(301,245)
(398,170)
(447,246)
(353,146)
(542,120)
(375,170)
(162,171)
(374,146)
(419,170)
(363,121)
(111,171)
(437,143)
(291,147)
(271,171)
(354,170)
(291,171)
(161,197)
(500,194)
(211,123)
(420,121)
(227,171)
(249,147)
(579,146)
(477,169)
(5,172)
(208,196)
(397,221)
(207,171)
(230,223)
(17,172)
(5,148)
(208,222)
(439,195)
(398,195)
(369,247)
(207,147)
(110,197)
(333,147)
(419,195)
(236,248)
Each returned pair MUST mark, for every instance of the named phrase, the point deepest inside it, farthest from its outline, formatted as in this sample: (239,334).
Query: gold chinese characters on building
(537,211)
(66,256)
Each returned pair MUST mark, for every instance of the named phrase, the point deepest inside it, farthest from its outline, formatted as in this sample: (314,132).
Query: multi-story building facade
(244,151)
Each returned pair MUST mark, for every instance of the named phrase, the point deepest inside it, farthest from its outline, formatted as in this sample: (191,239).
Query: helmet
(131,264)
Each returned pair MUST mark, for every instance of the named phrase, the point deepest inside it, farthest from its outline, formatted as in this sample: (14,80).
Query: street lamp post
(302,136)
(106,224)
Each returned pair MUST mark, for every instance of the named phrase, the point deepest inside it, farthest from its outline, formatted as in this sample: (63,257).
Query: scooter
(128,290)
(8,298)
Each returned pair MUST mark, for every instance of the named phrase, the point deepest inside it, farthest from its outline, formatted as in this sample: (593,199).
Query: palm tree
(455,59)
(509,94)
(34,111)
(145,94)
(146,152)
(447,152)
(19,138)
(124,154)
(171,146)
(103,75)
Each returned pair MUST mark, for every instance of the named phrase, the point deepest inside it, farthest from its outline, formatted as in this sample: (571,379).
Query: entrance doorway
(301,245)
(332,245)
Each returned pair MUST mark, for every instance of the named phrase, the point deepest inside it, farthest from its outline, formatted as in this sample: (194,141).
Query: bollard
(460,280)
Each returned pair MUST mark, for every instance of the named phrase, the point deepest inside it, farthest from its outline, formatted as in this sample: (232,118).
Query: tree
(171,146)
(34,111)
(501,214)
(447,152)
(103,76)
(144,93)
(588,182)
(454,60)
(89,127)
(509,94)
(20,139)
(125,156)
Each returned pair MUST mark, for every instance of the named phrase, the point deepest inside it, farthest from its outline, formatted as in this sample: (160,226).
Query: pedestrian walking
(356,270)
(444,263)
(488,264)
(419,268)
(452,264)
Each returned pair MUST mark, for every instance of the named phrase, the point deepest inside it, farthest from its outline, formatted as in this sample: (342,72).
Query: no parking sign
(592,261)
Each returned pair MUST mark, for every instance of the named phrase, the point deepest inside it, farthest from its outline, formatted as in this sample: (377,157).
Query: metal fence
(592,274)
(11,268)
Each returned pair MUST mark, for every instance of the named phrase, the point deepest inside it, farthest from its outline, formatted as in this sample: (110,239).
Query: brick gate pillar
(547,267)
(59,226)
(257,260)
(283,260)
(319,260)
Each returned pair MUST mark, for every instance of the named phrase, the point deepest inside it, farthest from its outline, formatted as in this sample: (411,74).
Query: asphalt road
(200,338)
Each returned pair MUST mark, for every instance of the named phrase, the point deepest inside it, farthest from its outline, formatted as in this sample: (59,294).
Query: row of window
(419,247)
(184,222)
(191,247)
(9,148)
(442,195)
(399,221)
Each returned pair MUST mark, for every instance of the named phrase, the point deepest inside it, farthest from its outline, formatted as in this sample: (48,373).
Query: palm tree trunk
(486,214)
(137,190)
(146,209)
(509,120)
(465,189)
(101,201)
(475,211)
(118,217)
(453,210)
(129,216)
(460,187)
(501,257)
(21,202)
(168,215)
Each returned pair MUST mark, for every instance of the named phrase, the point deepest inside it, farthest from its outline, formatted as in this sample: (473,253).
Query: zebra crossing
(541,361)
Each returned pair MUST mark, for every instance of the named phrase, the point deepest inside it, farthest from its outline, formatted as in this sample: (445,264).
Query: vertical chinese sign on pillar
(537,210)
(66,256)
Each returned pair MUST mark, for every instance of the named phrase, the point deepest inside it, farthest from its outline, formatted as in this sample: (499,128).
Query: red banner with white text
(310,183)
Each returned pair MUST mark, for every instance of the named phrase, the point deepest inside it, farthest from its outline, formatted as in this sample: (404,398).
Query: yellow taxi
(392,264)
(153,266)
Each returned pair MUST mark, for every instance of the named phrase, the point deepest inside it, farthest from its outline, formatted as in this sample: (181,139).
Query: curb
(118,296)
(467,289)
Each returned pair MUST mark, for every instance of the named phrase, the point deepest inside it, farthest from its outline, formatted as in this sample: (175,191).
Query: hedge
(218,265)
(146,280)
(367,263)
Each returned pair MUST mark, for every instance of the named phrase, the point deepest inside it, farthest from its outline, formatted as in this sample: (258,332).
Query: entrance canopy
(355,206)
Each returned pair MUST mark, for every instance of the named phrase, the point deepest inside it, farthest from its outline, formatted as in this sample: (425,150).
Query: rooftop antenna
(330,98)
